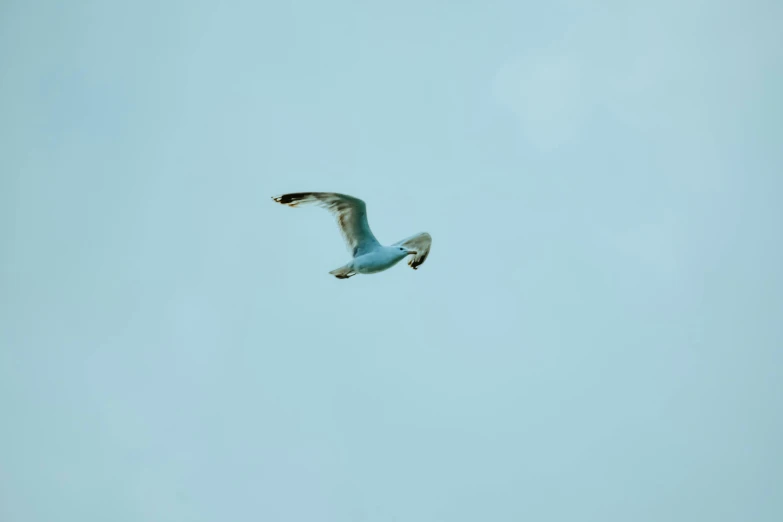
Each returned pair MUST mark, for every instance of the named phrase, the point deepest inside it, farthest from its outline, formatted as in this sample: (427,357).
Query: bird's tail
(344,272)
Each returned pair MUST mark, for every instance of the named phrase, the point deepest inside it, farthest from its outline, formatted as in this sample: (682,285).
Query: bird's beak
(412,252)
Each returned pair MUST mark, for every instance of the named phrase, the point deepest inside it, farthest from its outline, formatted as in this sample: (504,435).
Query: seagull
(369,256)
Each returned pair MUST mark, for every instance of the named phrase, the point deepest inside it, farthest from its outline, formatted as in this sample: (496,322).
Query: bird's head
(406,251)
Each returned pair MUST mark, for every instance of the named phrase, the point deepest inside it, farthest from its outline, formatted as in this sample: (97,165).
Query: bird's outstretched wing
(421,243)
(351,214)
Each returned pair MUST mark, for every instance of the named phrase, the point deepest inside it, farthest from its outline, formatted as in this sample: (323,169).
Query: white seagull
(369,256)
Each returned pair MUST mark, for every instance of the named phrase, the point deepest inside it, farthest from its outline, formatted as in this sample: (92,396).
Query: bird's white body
(369,256)
(378,260)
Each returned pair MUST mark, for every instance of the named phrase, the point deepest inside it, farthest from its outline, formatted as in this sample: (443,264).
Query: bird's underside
(369,256)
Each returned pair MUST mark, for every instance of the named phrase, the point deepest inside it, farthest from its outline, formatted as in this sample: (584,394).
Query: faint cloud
(654,246)
(664,70)
(549,94)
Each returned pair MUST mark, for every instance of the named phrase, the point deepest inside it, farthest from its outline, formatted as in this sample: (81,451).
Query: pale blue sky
(596,336)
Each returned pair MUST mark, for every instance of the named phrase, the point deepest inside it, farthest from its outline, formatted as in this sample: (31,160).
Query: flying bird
(369,256)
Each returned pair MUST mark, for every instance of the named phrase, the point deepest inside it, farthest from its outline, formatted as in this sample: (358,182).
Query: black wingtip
(287,199)
(292,199)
